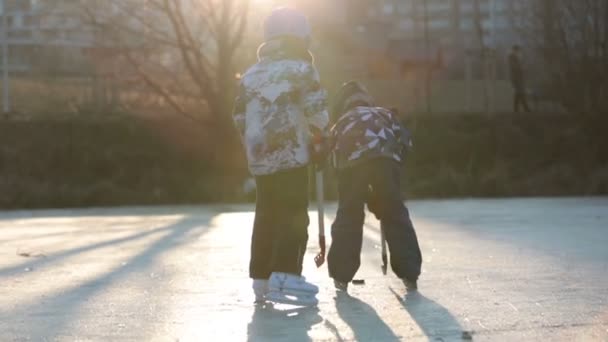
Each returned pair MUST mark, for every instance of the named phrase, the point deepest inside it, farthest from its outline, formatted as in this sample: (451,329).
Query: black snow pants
(280,229)
(383,175)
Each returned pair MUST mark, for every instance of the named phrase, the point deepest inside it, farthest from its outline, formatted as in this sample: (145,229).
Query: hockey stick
(383,244)
(320,258)
(373,208)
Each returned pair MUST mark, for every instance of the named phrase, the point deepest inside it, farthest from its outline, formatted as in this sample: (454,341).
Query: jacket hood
(284,49)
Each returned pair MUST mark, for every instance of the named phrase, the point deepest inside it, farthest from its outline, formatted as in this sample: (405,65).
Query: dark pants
(520,100)
(280,229)
(383,175)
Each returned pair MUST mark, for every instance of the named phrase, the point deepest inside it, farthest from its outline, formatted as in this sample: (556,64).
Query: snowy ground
(520,270)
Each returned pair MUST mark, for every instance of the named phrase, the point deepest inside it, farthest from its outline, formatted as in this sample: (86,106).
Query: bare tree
(480,34)
(571,41)
(183,51)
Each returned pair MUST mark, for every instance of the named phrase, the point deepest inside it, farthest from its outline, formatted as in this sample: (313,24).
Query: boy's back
(366,132)
(279,100)
(279,106)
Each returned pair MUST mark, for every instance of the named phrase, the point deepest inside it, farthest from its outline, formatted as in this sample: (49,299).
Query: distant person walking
(518,80)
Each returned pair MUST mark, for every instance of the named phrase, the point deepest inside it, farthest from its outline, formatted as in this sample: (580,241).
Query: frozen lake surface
(516,269)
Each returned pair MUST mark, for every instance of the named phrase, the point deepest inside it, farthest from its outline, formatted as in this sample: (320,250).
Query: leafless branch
(198,38)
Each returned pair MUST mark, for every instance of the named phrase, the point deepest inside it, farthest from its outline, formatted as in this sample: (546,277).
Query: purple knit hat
(285,21)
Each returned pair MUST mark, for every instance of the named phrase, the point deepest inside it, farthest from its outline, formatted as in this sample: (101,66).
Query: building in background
(450,23)
(51,35)
(398,40)
(420,31)
(46,35)
(49,32)
(56,56)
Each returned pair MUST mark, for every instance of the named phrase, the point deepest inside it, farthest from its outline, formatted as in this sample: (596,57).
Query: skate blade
(341,286)
(292,299)
(259,301)
(292,291)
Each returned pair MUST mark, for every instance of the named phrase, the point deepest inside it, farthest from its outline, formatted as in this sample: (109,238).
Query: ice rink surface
(494,270)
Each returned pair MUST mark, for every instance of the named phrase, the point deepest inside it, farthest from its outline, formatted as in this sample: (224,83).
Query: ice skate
(340,286)
(284,297)
(410,285)
(260,290)
(291,289)
(284,282)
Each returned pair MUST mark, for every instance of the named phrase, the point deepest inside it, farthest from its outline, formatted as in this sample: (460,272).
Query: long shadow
(435,321)
(364,321)
(268,323)
(140,211)
(334,330)
(68,300)
(34,264)
(65,234)
(34,214)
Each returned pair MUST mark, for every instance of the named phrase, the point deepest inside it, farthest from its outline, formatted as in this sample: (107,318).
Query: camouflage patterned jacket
(364,133)
(280,103)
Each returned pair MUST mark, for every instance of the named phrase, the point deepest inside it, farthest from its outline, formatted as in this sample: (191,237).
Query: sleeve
(315,102)
(403,135)
(239,110)
(405,138)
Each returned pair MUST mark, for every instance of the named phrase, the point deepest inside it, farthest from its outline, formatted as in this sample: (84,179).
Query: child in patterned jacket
(280,110)
(369,144)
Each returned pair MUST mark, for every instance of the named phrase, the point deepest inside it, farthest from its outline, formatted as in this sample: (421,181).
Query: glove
(319,150)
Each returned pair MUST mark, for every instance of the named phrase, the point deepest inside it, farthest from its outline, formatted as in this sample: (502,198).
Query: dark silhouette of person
(518,80)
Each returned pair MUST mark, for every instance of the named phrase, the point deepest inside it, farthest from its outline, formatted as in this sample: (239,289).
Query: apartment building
(450,25)
(43,33)
(412,33)
(52,34)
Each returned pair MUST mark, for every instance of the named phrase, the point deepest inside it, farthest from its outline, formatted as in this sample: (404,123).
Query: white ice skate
(260,290)
(410,285)
(340,286)
(291,289)
(291,298)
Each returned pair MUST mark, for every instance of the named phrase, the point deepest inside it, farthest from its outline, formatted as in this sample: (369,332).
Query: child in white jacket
(280,109)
